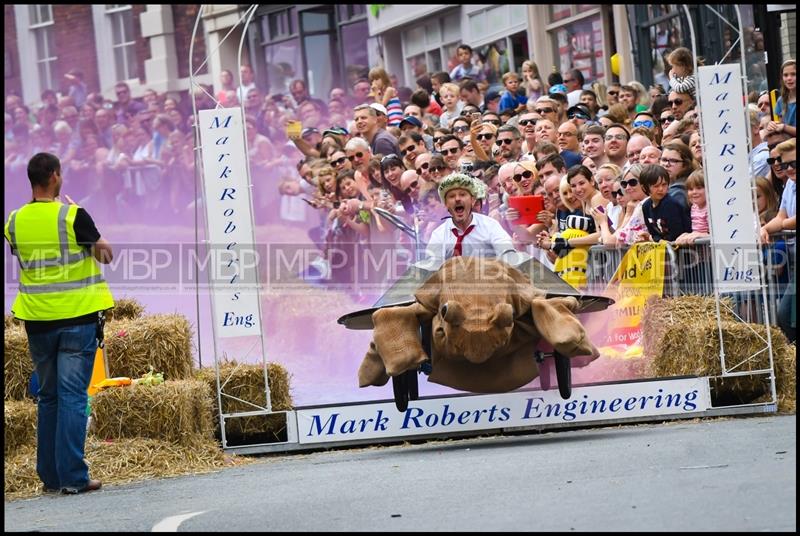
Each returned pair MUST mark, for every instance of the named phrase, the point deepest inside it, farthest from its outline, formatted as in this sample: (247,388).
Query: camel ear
(428,293)
(555,321)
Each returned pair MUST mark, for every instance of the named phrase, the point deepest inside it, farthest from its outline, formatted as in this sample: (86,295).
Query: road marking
(171,524)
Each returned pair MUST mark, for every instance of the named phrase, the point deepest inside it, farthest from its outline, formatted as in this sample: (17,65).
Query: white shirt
(487,239)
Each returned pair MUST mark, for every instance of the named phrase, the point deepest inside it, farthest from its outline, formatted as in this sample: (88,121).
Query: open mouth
(459,210)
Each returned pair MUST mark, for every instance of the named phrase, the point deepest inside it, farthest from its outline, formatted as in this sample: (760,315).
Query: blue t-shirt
(510,101)
(791,117)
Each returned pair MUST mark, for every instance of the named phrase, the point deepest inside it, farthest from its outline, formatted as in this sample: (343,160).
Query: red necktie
(460,239)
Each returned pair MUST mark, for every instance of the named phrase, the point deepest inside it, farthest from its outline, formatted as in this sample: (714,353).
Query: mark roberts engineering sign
(507,410)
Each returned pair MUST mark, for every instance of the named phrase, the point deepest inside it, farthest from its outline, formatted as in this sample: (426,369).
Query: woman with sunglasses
(438,169)
(632,227)
(438,134)
(679,162)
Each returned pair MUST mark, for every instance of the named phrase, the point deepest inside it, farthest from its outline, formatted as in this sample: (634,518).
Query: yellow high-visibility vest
(58,278)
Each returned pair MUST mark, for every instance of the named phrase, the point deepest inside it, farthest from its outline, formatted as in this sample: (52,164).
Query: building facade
(330,46)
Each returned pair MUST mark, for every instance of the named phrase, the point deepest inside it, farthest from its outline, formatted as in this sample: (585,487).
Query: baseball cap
(559,88)
(339,131)
(378,107)
(491,95)
(308,130)
(581,111)
(411,120)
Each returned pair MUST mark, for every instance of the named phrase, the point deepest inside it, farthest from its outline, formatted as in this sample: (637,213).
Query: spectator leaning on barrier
(665,217)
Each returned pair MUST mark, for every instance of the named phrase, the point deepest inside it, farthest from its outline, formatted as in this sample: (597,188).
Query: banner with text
(729,187)
(231,253)
(506,410)
(640,275)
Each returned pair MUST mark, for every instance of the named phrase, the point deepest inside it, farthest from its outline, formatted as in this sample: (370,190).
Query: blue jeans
(63,358)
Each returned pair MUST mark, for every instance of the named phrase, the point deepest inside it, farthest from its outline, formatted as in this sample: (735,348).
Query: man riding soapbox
(475,315)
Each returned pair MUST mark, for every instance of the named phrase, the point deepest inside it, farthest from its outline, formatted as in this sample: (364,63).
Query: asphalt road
(730,474)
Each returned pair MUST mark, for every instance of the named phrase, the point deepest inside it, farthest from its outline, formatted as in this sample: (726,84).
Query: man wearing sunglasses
(527,125)
(358,153)
(548,108)
(680,103)
(510,143)
(466,233)
(451,149)
(411,146)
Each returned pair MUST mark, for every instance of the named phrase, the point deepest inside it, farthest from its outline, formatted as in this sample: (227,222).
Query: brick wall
(13,82)
(183,17)
(74,38)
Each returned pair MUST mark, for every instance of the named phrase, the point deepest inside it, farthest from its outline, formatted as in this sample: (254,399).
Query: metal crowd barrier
(688,271)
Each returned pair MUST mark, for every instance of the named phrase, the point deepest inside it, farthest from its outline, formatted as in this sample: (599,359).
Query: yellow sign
(639,276)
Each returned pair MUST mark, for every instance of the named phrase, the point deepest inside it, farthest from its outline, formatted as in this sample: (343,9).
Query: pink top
(699,219)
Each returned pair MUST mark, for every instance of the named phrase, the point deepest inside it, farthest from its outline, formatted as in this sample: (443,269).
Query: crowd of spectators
(615,165)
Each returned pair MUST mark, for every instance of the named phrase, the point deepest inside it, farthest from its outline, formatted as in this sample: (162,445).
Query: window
(41,26)
(282,52)
(579,42)
(123,43)
(580,46)
(432,47)
(356,54)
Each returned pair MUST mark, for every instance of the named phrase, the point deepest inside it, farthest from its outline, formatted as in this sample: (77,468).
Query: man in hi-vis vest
(62,297)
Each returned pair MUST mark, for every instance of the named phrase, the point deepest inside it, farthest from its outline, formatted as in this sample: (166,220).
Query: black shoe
(50,491)
(92,485)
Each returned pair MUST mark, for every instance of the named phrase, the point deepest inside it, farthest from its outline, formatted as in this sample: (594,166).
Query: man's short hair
(372,111)
(409,136)
(509,128)
(578,75)
(787,146)
(450,137)
(441,77)
(555,159)
(41,167)
(469,85)
(599,130)
(465,47)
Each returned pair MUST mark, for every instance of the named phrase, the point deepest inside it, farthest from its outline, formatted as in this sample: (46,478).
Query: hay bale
(661,314)
(125,308)
(693,349)
(20,425)
(123,460)
(247,383)
(163,341)
(11,322)
(175,411)
(17,364)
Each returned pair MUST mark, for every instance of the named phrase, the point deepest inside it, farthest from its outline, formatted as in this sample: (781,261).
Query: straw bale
(10,321)
(125,308)
(20,425)
(163,341)
(17,364)
(176,411)
(246,382)
(693,349)
(662,313)
(123,460)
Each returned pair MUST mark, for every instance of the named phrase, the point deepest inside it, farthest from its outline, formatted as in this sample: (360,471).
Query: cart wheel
(564,375)
(413,384)
(400,387)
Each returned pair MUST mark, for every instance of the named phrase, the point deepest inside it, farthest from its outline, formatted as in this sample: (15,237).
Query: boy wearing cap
(466,232)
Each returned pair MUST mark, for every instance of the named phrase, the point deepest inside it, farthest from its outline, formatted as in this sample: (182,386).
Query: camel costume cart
(475,324)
